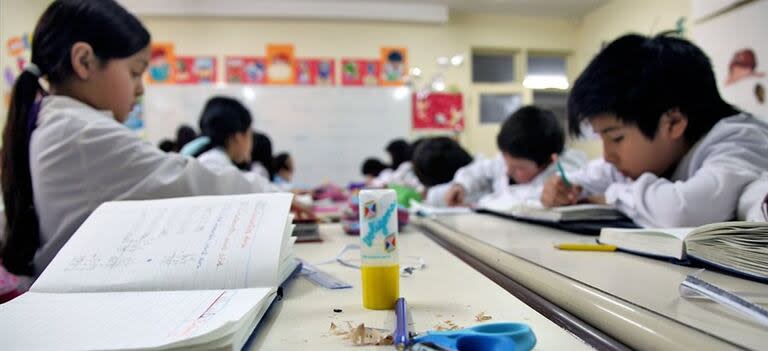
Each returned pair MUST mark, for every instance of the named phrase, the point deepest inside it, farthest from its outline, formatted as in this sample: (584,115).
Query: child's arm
(588,183)
(473,178)
(710,195)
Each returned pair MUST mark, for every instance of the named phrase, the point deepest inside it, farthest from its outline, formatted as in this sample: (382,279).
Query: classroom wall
(614,19)
(425,42)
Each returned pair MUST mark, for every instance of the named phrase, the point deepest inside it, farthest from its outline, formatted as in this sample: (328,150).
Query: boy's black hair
(437,159)
(400,151)
(639,78)
(372,167)
(531,133)
(113,33)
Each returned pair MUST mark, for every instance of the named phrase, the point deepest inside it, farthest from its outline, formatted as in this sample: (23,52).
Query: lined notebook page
(87,321)
(216,242)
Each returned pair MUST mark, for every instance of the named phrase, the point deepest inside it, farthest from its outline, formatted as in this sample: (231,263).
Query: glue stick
(380,268)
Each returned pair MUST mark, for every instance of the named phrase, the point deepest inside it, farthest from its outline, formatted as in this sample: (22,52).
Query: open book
(191,273)
(534,210)
(740,247)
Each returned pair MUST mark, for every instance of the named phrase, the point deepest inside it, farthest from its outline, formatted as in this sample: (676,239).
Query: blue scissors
(504,336)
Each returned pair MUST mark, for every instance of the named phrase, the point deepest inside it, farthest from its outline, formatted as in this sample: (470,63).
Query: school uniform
(81,157)
(750,206)
(258,168)
(705,186)
(487,181)
(403,175)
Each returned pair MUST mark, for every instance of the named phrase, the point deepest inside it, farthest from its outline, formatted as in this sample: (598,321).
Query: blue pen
(401,338)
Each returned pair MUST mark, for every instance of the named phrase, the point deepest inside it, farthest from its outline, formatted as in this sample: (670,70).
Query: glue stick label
(378,227)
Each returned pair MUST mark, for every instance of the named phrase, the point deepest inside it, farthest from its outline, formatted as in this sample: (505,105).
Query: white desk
(447,289)
(632,298)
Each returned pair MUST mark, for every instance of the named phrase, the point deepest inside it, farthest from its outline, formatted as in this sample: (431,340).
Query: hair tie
(32,68)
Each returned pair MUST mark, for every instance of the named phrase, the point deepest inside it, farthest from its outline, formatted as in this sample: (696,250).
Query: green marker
(561,170)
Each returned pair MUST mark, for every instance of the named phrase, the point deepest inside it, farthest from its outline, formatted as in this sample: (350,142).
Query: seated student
(372,168)
(402,169)
(231,138)
(68,153)
(261,156)
(435,162)
(282,165)
(674,153)
(527,140)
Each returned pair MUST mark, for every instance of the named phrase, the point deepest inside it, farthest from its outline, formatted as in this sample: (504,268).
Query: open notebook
(534,210)
(191,273)
(740,247)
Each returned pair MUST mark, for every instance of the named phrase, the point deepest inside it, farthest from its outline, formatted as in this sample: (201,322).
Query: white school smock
(487,180)
(403,175)
(751,200)
(81,157)
(218,161)
(705,186)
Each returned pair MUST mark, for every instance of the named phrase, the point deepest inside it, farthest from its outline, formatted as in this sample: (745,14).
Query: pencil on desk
(585,247)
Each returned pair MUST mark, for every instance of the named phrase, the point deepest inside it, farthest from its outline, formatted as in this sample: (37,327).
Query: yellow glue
(380,268)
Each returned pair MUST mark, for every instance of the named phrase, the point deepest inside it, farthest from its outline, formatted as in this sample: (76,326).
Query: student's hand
(455,195)
(556,193)
(302,211)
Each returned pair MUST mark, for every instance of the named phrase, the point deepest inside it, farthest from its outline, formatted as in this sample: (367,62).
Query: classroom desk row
(631,299)
(446,290)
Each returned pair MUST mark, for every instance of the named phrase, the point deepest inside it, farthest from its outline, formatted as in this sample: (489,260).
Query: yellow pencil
(585,247)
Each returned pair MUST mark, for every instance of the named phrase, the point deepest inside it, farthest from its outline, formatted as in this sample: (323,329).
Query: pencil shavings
(482,317)
(362,335)
(446,325)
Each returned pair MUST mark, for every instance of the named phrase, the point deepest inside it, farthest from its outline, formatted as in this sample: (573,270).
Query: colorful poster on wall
(245,70)
(195,69)
(162,64)
(315,71)
(357,72)
(280,64)
(16,46)
(438,111)
(19,50)
(394,65)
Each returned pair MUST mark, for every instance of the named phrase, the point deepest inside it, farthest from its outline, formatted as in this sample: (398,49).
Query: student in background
(261,156)
(68,152)
(372,167)
(402,169)
(675,154)
(527,140)
(184,134)
(283,168)
(435,162)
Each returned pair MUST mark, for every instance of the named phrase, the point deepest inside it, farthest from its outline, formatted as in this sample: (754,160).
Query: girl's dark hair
(400,151)
(436,160)
(184,134)
(223,118)
(113,33)
(281,162)
(372,167)
(262,152)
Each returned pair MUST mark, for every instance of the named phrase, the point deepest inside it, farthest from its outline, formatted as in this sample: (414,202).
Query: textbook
(582,218)
(738,247)
(183,273)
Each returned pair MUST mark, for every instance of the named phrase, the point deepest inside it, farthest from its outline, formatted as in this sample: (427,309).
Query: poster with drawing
(437,111)
(245,70)
(359,72)
(280,64)
(315,72)
(394,65)
(19,50)
(195,69)
(162,64)
(735,42)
